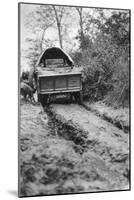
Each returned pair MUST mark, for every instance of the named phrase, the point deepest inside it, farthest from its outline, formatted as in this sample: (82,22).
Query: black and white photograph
(74,99)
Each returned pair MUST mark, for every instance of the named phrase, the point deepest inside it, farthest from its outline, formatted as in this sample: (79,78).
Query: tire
(78,97)
(38,97)
(44,99)
(72,96)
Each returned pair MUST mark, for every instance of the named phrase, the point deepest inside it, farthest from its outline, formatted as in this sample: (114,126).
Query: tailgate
(64,83)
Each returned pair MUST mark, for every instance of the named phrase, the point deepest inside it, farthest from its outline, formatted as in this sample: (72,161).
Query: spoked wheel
(44,99)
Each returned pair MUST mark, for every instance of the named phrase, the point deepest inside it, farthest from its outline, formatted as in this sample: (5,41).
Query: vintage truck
(56,75)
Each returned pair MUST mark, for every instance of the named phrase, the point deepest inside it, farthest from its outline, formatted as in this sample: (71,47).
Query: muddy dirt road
(67,149)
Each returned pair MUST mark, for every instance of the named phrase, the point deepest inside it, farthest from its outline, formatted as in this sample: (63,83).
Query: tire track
(61,152)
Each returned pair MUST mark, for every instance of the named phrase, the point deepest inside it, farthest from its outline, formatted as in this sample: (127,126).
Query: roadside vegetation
(105,59)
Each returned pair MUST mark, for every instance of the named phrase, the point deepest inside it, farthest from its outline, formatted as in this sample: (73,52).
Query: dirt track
(68,149)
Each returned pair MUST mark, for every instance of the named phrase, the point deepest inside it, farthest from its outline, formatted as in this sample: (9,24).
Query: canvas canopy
(54,53)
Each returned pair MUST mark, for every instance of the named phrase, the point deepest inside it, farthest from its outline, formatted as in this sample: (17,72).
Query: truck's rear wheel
(81,98)
(38,97)
(78,97)
(44,99)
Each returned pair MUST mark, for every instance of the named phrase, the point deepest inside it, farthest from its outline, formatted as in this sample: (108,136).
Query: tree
(80,12)
(47,16)
(59,15)
(83,39)
(107,52)
(33,51)
(117,27)
(39,21)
